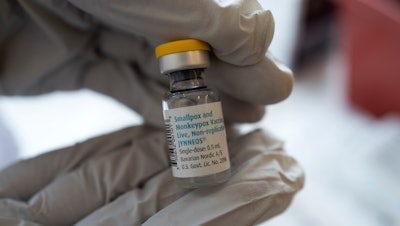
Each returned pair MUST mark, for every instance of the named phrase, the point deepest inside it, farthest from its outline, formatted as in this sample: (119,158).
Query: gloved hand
(108,46)
(123,178)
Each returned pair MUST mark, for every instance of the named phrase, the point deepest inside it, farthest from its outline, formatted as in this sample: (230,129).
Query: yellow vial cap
(183,55)
(181,46)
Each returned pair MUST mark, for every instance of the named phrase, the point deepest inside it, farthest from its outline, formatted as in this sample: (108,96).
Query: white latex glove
(108,46)
(124,179)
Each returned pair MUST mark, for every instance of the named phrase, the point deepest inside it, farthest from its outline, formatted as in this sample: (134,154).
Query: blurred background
(342,121)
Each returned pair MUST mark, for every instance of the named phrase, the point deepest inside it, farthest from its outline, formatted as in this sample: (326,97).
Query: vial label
(197,140)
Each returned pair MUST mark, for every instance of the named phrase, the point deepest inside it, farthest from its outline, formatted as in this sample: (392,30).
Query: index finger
(266,82)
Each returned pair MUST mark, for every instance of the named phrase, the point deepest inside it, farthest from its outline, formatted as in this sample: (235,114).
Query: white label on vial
(197,140)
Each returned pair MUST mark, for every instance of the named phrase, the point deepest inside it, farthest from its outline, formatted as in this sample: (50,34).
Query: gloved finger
(266,82)
(244,90)
(25,178)
(263,184)
(244,29)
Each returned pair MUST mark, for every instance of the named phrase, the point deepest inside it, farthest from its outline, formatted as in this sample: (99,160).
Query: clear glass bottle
(193,116)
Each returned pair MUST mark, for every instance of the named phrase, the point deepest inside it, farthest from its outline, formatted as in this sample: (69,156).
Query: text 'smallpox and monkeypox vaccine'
(193,117)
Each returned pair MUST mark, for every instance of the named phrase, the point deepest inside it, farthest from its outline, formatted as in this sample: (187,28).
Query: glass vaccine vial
(193,117)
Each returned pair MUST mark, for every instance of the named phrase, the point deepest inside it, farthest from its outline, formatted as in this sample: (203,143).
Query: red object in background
(372,39)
